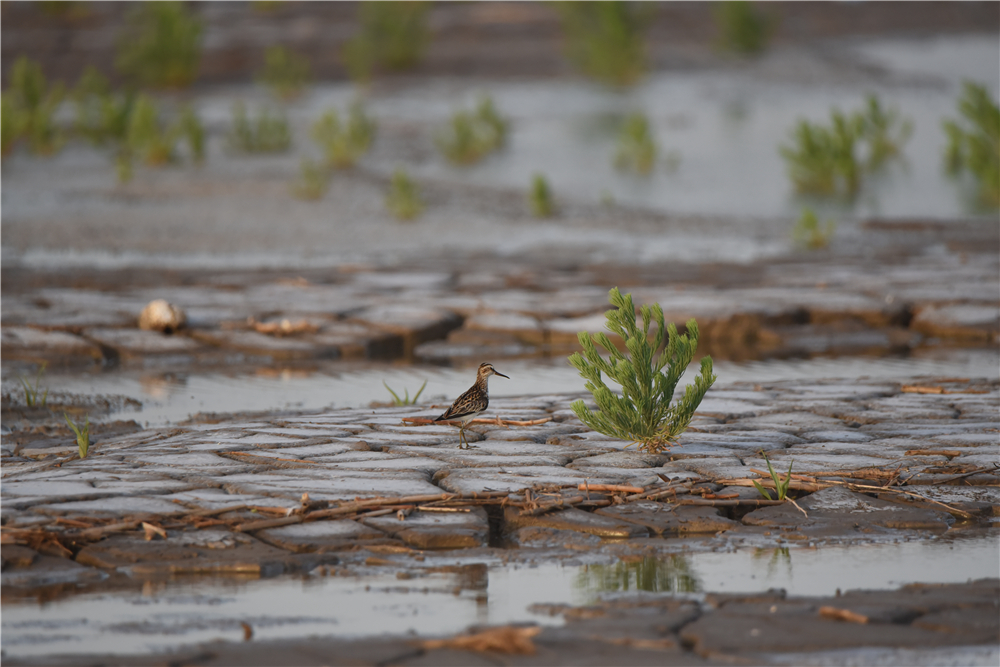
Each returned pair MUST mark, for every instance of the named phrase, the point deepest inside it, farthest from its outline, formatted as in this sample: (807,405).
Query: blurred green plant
(605,39)
(743,28)
(780,487)
(64,9)
(102,116)
(32,397)
(285,72)
(636,147)
(148,138)
(392,37)
(472,135)
(161,45)
(190,127)
(540,198)
(810,233)
(403,198)
(29,107)
(974,141)
(82,435)
(314,179)
(405,400)
(643,413)
(344,143)
(267,133)
(831,160)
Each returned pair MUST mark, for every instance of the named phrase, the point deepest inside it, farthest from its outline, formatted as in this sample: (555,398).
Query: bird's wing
(465,404)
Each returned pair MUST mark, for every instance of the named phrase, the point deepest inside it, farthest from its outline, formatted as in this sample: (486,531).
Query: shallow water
(173,396)
(164,616)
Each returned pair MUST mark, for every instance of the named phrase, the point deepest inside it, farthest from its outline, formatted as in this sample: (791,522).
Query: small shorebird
(471,403)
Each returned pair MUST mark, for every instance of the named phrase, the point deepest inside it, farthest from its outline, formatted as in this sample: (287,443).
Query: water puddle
(170,397)
(445,600)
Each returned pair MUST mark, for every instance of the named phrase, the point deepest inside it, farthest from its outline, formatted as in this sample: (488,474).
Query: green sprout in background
(472,135)
(392,38)
(161,46)
(832,160)
(974,142)
(32,398)
(540,198)
(643,413)
(606,40)
(745,30)
(286,73)
(780,488)
(810,233)
(314,179)
(636,147)
(102,116)
(82,435)
(403,198)
(405,400)
(344,143)
(267,133)
(29,107)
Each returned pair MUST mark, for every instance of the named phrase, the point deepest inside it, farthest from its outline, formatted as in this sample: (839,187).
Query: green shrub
(643,413)
(540,198)
(268,133)
(286,73)
(161,46)
(30,104)
(636,146)
(403,198)
(974,142)
(343,144)
(744,29)
(833,160)
(472,135)
(393,36)
(313,180)
(605,40)
(809,233)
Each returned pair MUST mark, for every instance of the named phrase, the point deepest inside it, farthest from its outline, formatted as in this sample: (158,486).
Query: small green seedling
(313,180)
(268,133)
(472,135)
(285,72)
(82,435)
(810,233)
(344,143)
(31,396)
(780,488)
(974,142)
(540,198)
(643,412)
(745,30)
(161,45)
(405,400)
(606,40)
(403,198)
(393,36)
(636,146)
(29,107)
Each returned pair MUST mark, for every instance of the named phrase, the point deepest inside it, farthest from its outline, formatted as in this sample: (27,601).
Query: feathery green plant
(31,396)
(392,38)
(29,107)
(285,72)
(974,141)
(268,133)
(643,413)
(540,197)
(605,39)
(161,46)
(148,137)
(780,488)
(102,116)
(344,143)
(405,400)
(810,233)
(313,182)
(744,29)
(403,198)
(636,146)
(82,435)
(471,136)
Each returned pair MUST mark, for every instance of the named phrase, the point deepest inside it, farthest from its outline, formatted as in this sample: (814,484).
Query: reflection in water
(671,574)
(779,556)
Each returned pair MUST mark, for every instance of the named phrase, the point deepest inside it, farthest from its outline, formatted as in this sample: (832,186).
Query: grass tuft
(267,133)
(780,487)
(161,45)
(540,198)
(405,400)
(285,72)
(344,143)
(472,135)
(606,39)
(743,28)
(810,233)
(392,38)
(636,147)
(82,435)
(403,198)
(974,142)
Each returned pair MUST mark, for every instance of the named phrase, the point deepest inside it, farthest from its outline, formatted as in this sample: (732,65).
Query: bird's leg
(461,436)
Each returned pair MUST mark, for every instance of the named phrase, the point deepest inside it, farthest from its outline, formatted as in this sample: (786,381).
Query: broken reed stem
(496,421)
(542,508)
(742,502)
(613,488)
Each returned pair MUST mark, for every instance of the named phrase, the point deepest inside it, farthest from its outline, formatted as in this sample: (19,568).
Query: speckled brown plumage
(471,403)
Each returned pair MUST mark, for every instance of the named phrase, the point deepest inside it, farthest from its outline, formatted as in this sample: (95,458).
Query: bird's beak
(500,374)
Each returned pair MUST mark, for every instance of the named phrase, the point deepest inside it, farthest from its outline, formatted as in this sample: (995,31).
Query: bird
(471,403)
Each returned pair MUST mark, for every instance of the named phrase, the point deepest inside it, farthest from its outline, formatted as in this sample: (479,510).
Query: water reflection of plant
(778,556)
(606,39)
(671,574)
(974,141)
(161,46)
